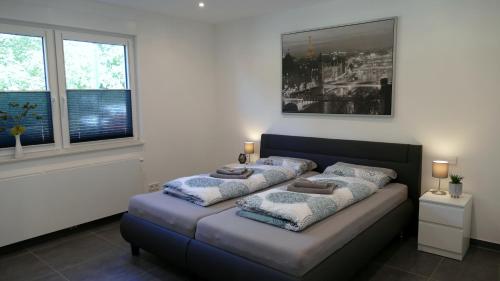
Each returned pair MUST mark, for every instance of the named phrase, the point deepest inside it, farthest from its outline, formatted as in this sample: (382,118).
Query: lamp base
(438,192)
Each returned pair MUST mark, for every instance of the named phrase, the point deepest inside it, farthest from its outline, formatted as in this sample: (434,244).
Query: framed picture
(347,69)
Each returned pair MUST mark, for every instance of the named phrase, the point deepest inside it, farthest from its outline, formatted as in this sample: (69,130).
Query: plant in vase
(15,118)
(455,187)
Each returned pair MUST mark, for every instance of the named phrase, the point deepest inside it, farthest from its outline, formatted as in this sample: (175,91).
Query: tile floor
(98,252)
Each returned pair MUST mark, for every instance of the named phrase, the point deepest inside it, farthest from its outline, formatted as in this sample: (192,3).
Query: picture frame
(346,69)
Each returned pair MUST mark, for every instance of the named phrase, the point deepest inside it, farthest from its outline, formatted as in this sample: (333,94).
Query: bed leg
(135,250)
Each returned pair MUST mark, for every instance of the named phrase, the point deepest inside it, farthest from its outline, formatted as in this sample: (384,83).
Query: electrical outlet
(153,187)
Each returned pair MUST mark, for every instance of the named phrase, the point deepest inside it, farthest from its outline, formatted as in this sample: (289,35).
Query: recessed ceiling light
(201,4)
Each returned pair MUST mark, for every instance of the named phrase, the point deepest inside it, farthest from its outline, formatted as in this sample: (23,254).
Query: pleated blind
(37,131)
(99,115)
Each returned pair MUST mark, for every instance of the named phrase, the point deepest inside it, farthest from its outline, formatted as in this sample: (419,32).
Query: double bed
(216,244)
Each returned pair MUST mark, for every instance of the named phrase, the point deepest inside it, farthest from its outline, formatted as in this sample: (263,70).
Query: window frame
(130,76)
(55,78)
(51,85)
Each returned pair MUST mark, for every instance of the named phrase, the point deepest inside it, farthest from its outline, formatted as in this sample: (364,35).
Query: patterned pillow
(264,161)
(379,176)
(299,165)
(311,165)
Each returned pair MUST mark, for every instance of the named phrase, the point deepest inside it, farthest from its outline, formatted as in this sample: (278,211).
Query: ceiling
(215,11)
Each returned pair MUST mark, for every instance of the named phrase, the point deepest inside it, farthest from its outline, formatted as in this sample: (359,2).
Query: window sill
(55,152)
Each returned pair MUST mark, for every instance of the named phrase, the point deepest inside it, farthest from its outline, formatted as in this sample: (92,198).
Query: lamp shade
(439,169)
(249,147)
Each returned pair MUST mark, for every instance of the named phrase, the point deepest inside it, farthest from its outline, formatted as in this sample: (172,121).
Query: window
(23,64)
(81,83)
(98,92)
(23,83)
(94,66)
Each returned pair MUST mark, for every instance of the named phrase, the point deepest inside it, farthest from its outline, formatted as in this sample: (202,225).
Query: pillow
(379,176)
(299,165)
(311,165)
(264,161)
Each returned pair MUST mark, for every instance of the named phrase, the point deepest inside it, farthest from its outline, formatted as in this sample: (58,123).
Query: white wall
(447,88)
(175,78)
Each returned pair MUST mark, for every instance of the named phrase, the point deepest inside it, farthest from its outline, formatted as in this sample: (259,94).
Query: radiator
(39,203)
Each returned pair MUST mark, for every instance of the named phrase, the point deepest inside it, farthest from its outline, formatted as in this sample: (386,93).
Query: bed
(179,215)
(153,217)
(224,246)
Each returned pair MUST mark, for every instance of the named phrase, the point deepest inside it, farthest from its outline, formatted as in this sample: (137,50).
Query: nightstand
(444,225)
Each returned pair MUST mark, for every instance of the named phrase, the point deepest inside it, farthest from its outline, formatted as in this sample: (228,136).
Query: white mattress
(297,252)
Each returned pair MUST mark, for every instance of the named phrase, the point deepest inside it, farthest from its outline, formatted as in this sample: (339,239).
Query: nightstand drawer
(442,214)
(440,236)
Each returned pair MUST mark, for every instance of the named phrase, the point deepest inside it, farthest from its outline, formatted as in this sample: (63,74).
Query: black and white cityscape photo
(339,70)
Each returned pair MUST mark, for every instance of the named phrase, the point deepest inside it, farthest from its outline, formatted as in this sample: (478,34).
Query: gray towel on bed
(305,183)
(243,176)
(231,171)
(294,188)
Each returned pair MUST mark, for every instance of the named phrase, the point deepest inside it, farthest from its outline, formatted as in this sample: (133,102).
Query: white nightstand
(444,224)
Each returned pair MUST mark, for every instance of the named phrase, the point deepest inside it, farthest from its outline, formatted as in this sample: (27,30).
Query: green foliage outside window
(21,63)
(88,65)
(94,66)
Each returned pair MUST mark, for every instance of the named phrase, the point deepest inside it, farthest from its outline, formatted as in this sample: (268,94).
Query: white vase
(19,148)
(455,189)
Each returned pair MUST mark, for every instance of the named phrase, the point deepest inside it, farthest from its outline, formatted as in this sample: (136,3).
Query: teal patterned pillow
(311,165)
(299,165)
(379,176)
(264,161)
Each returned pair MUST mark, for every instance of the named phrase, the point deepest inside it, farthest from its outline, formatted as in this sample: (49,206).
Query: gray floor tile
(114,265)
(156,268)
(12,254)
(404,255)
(481,255)
(378,272)
(165,272)
(23,267)
(113,235)
(390,250)
(54,242)
(54,277)
(73,251)
(145,261)
(106,226)
(165,275)
(478,265)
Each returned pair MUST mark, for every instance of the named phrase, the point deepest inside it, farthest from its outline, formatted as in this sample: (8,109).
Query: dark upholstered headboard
(405,159)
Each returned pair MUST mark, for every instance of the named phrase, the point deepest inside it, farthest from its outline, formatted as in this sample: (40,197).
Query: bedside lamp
(249,147)
(439,171)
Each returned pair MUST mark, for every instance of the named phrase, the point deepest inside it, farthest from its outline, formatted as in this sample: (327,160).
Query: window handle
(64,105)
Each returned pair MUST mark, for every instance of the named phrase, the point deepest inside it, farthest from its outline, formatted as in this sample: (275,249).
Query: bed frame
(212,263)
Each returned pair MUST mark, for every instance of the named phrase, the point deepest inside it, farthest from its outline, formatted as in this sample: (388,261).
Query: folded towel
(294,188)
(243,176)
(305,183)
(231,171)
